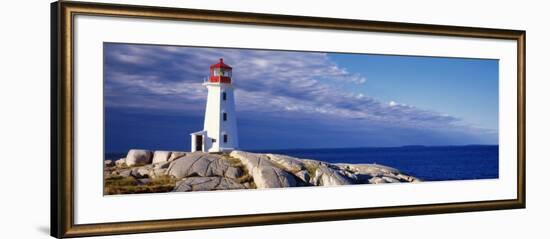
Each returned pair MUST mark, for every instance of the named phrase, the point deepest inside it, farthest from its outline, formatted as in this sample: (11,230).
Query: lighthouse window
(224,96)
(225,138)
(221,72)
(224,116)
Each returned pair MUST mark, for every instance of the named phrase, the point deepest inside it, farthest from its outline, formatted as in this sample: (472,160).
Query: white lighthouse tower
(220,122)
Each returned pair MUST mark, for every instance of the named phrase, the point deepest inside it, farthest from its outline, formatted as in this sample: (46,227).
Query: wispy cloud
(281,83)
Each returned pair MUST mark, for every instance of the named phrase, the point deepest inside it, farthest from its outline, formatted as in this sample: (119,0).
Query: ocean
(429,163)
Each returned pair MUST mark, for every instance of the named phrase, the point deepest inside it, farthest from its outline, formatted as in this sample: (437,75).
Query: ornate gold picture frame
(63,117)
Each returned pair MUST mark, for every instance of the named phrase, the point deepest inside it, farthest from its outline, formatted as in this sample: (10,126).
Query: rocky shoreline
(144,171)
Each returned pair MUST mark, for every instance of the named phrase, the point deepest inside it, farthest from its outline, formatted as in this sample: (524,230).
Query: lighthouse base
(202,143)
(198,141)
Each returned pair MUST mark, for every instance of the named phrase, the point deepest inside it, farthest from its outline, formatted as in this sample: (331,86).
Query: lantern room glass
(221,72)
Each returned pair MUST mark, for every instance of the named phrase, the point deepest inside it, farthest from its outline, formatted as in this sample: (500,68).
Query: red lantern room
(220,73)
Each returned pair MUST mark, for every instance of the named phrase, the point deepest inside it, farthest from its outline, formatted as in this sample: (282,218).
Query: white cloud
(277,82)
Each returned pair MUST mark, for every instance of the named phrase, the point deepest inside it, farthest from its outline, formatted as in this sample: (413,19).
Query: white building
(220,122)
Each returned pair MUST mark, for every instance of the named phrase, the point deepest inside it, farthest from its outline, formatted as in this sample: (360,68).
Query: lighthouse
(220,122)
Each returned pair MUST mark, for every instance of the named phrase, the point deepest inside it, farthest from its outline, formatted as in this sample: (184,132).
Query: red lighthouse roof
(220,65)
(220,73)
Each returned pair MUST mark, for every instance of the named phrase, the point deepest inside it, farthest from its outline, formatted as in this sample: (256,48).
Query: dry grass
(123,166)
(246,177)
(235,162)
(311,168)
(129,185)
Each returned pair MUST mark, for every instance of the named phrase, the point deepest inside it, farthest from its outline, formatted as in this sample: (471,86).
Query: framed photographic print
(172,119)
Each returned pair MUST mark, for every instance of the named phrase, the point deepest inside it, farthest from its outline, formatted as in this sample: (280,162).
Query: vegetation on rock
(130,185)
(198,171)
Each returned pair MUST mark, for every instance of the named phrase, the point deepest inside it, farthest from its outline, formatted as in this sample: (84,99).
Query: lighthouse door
(198,142)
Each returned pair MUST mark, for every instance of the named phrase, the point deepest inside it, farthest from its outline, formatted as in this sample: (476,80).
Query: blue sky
(154,98)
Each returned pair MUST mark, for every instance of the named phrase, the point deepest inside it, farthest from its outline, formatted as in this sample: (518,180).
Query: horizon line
(359,147)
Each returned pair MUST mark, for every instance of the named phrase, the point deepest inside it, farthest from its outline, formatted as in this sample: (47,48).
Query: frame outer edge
(266,19)
(522,109)
(64,121)
(65,108)
(54,122)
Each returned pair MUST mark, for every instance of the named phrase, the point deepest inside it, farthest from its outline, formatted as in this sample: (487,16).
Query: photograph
(202,118)
(220,117)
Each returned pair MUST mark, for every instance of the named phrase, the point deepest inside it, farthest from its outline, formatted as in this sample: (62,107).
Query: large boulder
(161,156)
(139,157)
(371,169)
(233,172)
(407,178)
(290,164)
(143,181)
(206,184)
(157,172)
(142,172)
(378,180)
(176,154)
(391,179)
(326,176)
(375,173)
(203,165)
(265,173)
(163,165)
(121,172)
(304,176)
(199,171)
(121,162)
(109,163)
